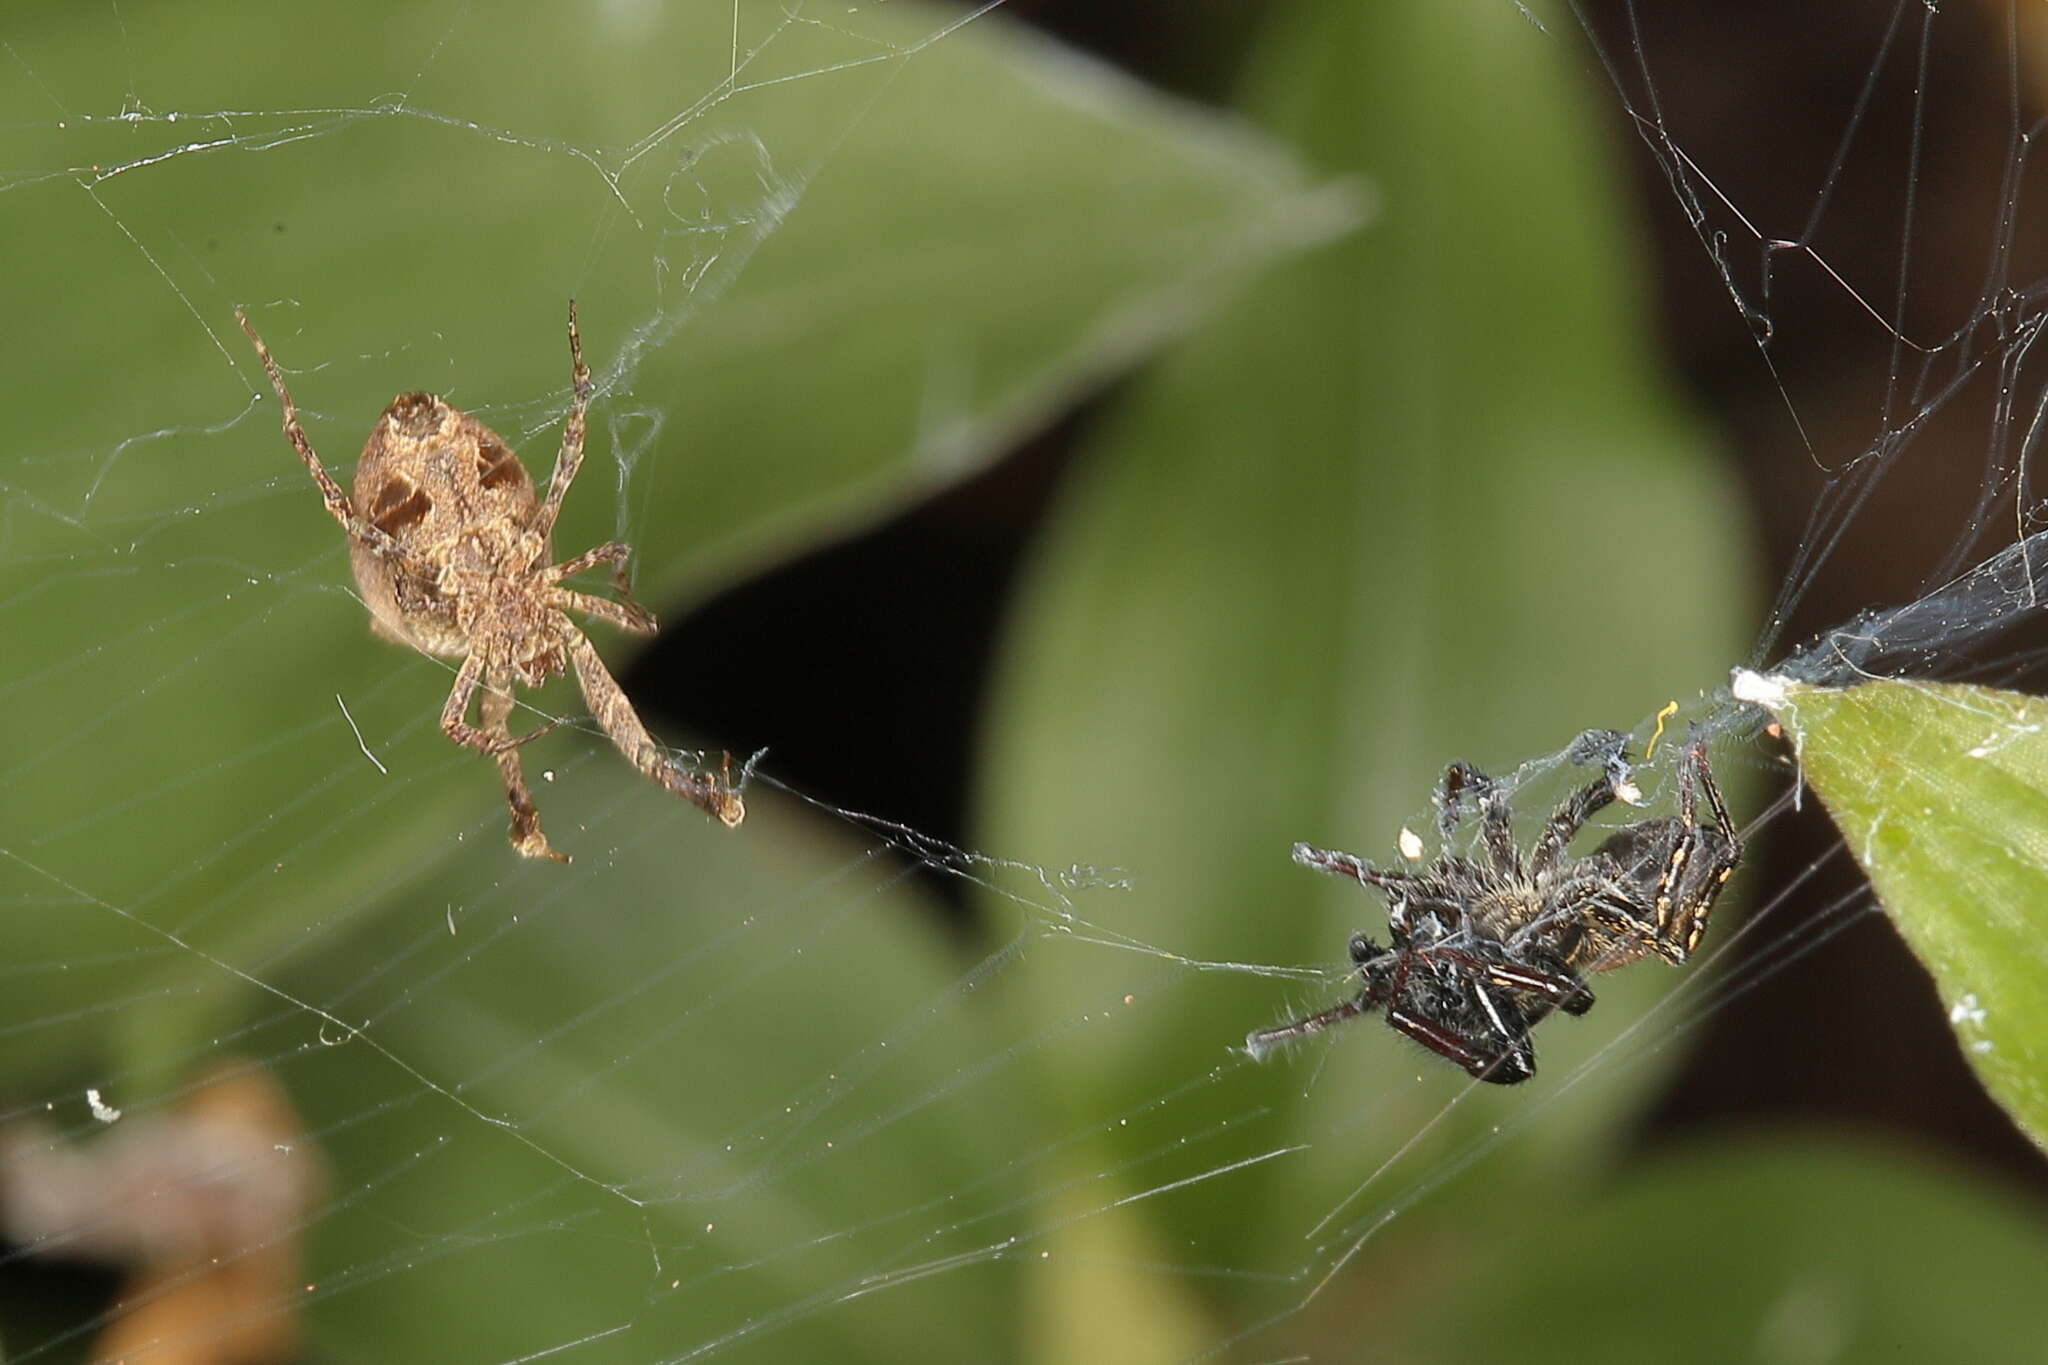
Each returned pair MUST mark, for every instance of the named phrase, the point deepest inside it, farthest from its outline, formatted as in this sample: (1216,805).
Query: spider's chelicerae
(1483,948)
(451,551)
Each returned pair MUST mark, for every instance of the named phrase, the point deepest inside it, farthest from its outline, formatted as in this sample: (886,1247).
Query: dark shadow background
(864,665)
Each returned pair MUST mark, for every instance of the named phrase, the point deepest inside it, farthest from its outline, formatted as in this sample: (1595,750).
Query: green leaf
(1418,496)
(1762,1250)
(699,1087)
(1941,792)
(848,276)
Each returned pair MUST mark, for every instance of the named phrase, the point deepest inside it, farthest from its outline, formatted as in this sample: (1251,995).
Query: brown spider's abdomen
(404,610)
(441,484)
(1498,914)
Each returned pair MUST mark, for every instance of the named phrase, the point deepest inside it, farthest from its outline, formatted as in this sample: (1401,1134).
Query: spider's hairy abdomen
(1474,898)
(1496,912)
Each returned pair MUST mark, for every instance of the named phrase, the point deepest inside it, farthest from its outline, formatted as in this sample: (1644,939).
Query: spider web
(299,1047)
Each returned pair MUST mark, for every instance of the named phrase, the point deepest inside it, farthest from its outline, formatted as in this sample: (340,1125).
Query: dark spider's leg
(1260,1042)
(1450,793)
(1556,983)
(1608,748)
(1682,847)
(1623,915)
(1496,821)
(496,708)
(1518,1054)
(337,502)
(1696,768)
(1565,823)
(1685,898)
(1556,964)
(571,457)
(1347,865)
(1503,1065)
(713,795)
(1515,1061)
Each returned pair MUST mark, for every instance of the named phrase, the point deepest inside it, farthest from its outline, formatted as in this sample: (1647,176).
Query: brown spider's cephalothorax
(1484,948)
(452,553)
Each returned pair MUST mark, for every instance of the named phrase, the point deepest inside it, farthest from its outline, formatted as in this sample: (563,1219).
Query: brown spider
(451,552)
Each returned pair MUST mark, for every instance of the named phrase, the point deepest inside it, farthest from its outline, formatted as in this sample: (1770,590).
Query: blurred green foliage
(1415,493)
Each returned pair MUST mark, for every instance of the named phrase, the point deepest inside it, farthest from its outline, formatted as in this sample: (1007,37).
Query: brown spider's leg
(337,501)
(1261,1042)
(1347,865)
(613,553)
(713,795)
(495,739)
(625,615)
(571,457)
(452,711)
(496,709)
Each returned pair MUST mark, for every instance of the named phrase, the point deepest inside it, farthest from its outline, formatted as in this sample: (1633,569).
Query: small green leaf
(1941,791)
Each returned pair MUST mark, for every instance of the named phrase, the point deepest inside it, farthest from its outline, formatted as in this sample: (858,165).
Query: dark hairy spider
(1483,948)
(452,553)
